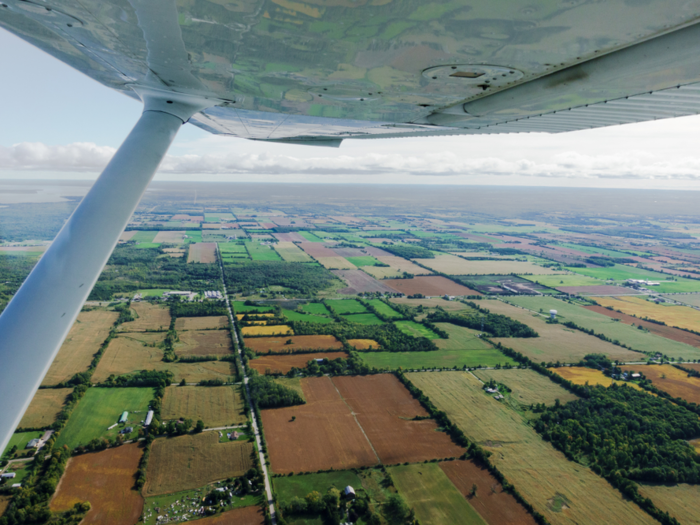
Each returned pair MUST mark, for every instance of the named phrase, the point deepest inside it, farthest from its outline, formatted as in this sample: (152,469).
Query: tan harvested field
(696,444)
(493,504)
(126,355)
(580,375)
(528,386)
(429,285)
(149,317)
(692,299)
(192,461)
(671,380)
(217,406)
(279,329)
(187,218)
(44,408)
(202,252)
(278,345)
(84,340)
(543,476)
(4,503)
(433,302)
(453,265)
(363,344)
(668,332)
(281,364)
(290,252)
(595,290)
(202,323)
(336,263)
(104,479)
(397,266)
(555,342)
(680,501)
(174,252)
(170,236)
(384,408)
(126,236)
(323,425)
(243,516)
(672,315)
(204,342)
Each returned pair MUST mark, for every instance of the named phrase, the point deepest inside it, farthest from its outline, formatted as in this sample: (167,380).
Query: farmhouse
(33,443)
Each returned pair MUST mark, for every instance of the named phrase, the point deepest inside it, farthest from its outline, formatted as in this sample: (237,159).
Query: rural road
(256,429)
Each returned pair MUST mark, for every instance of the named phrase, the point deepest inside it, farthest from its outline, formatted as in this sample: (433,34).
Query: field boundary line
(352,412)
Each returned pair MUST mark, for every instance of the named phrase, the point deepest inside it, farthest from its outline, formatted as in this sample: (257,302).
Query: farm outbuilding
(123,417)
(149,418)
(33,443)
(8,475)
(349,492)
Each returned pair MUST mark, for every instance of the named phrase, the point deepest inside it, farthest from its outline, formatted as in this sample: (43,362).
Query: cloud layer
(83,157)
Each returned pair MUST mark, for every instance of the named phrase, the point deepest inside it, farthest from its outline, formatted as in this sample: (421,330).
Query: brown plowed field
(277,345)
(664,331)
(595,290)
(281,364)
(429,285)
(243,516)
(316,249)
(202,252)
(192,461)
(205,342)
(323,435)
(44,408)
(384,407)
(496,506)
(671,380)
(201,323)
(358,281)
(105,479)
(148,317)
(84,339)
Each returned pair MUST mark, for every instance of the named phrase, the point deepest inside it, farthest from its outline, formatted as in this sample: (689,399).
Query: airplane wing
(318,72)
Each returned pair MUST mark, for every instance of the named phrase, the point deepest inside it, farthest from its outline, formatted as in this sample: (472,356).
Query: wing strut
(37,320)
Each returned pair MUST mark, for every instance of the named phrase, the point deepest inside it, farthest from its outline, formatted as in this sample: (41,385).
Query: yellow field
(191,461)
(528,386)
(453,265)
(563,491)
(363,344)
(680,316)
(216,406)
(290,252)
(148,317)
(397,266)
(580,375)
(44,408)
(336,263)
(433,302)
(671,380)
(680,501)
(696,445)
(280,329)
(84,339)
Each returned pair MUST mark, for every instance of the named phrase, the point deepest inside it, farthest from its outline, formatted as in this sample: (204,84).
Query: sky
(60,124)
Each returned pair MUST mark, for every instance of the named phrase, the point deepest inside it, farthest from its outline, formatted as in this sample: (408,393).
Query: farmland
(430,493)
(280,329)
(429,285)
(347,306)
(636,339)
(281,364)
(363,344)
(680,501)
(261,252)
(289,252)
(415,329)
(671,380)
(191,461)
(490,500)
(367,318)
(299,486)
(672,315)
(384,309)
(432,303)
(293,315)
(580,375)
(100,408)
(202,252)
(567,280)
(298,342)
(358,282)
(336,263)
(527,386)
(315,308)
(621,272)
(216,406)
(201,323)
(106,480)
(149,317)
(44,408)
(563,491)
(205,342)
(243,516)
(555,342)
(397,267)
(84,339)
(453,265)
(173,237)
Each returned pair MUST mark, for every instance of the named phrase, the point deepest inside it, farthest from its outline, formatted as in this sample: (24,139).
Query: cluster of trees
(24,221)
(155,378)
(352,366)
(13,271)
(180,308)
(267,393)
(253,275)
(495,324)
(409,252)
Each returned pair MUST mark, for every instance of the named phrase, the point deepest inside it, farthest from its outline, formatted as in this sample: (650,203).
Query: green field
(629,335)
(593,249)
(384,309)
(146,236)
(554,281)
(241,308)
(315,308)
(258,252)
(364,260)
(415,329)
(310,237)
(153,292)
(620,272)
(20,440)
(428,490)
(232,247)
(147,245)
(367,318)
(299,486)
(296,316)
(100,408)
(347,306)
(193,236)
(290,252)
